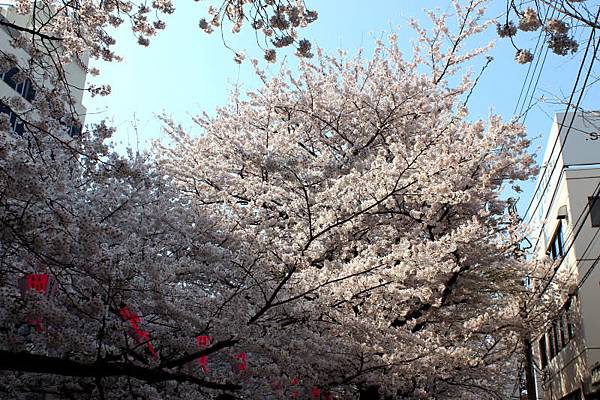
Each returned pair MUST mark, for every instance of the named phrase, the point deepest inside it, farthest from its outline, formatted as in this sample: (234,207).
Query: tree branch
(20,28)
(191,357)
(26,362)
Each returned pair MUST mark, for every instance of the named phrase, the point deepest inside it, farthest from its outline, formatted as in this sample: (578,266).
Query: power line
(597,190)
(589,271)
(530,64)
(534,87)
(592,34)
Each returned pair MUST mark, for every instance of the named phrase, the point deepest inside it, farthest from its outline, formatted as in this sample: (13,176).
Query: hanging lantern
(203,342)
(315,392)
(295,392)
(142,336)
(240,364)
(41,283)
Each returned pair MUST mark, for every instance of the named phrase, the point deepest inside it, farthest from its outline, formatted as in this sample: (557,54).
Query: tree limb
(26,362)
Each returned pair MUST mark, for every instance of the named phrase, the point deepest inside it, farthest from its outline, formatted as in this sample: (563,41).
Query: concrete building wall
(569,176)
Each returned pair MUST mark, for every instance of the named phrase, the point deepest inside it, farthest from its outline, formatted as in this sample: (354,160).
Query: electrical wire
(579,74)
(529,68)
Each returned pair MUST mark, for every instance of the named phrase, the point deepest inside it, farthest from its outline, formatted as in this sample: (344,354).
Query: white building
(567,209)
(74,72)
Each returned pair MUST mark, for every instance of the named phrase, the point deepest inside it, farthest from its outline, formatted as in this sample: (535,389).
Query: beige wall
(575,178)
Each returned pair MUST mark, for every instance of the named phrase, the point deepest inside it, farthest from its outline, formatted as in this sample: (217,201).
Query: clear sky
(185,71)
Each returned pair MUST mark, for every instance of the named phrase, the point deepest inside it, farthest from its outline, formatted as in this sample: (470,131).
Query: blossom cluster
(557,25)
(277,21)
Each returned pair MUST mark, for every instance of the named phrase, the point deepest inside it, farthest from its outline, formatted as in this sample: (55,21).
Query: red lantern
(38,282)
(295,393)
(315,392)
(203,342)
(241,364)
(127,315)
(42,284)
(134,321)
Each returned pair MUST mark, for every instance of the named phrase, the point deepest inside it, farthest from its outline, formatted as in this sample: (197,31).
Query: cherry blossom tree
(109,278)
(371,204)
(338,233)
(276,23)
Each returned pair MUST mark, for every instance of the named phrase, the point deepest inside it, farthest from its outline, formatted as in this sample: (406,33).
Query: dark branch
(26,362)
(191,357)
(20,28)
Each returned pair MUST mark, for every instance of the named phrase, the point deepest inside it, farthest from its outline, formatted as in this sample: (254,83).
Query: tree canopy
(339,232)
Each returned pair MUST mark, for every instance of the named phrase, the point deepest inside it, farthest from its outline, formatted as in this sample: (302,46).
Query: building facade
(11,80)
(566,212)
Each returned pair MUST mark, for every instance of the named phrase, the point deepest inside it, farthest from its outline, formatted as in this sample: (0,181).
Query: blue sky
(185,71)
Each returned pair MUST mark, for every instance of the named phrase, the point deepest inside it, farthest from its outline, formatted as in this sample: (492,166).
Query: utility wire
(524,113)
(530,64)
(579,74)
(597,190)
(592,267)
(538,57)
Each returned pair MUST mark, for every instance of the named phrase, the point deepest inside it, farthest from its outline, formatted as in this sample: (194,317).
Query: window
(15,123)
(558,335)
(555,337)
(24,88)
(562,330)
(594,203)
(556,249)
(551,347)
(8,77)
(543,352)
(75,130)
(569,319)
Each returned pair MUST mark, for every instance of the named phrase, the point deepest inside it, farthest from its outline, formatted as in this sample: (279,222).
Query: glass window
(562,334)
(556,248)
(543,353)
(594,203)
(15,123)
(24,88)
(570,319)
(8,77)
(555,337)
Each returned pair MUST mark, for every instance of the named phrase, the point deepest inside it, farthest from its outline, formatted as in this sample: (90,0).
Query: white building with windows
(11,83)
(566,207)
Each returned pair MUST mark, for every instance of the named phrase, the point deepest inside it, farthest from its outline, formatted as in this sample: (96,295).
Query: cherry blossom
(371,204)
